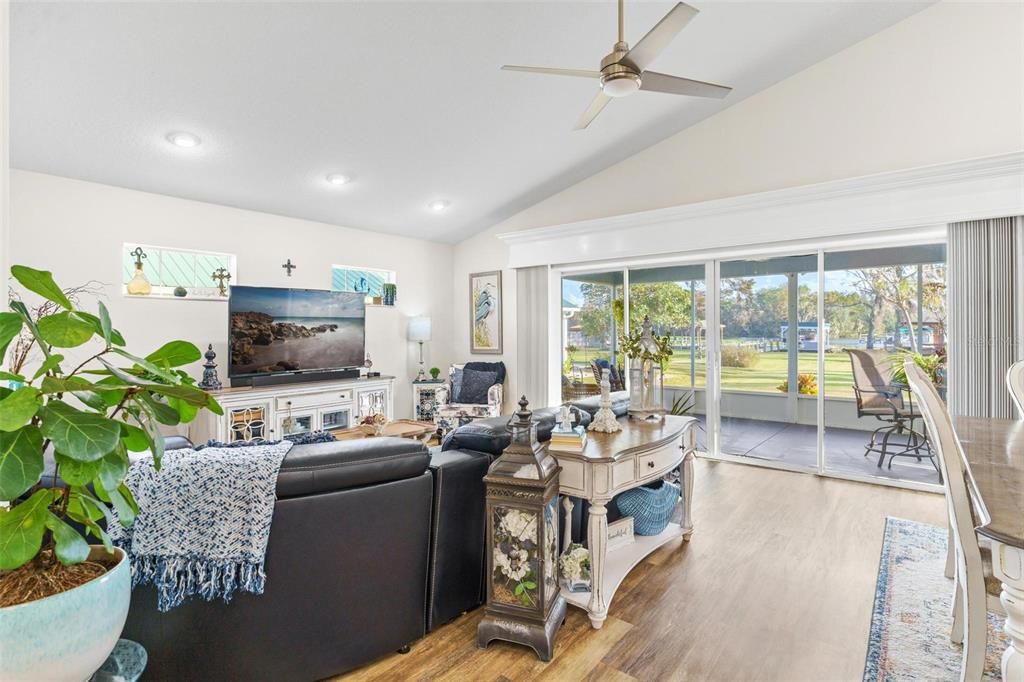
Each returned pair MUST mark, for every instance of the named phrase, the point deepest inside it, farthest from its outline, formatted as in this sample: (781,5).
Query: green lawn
(769,371)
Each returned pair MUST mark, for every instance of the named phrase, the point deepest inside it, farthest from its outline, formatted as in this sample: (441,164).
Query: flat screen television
(292,331)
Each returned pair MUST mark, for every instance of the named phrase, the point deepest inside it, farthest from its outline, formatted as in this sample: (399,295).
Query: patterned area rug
(910,624)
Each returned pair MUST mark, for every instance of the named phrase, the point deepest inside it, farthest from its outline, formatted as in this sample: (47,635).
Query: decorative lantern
(139,285)
(647,355)
(524,602)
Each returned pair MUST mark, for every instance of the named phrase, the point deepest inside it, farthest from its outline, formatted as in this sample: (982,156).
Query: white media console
(272,412)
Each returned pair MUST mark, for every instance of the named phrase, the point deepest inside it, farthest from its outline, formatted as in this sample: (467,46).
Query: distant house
(807,335)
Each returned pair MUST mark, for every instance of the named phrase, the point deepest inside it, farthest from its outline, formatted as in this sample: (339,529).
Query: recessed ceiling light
(183,139)
(338,179)
(438,205)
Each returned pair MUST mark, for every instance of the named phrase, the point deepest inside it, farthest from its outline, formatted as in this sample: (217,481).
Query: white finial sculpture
(566,418)
(604,421)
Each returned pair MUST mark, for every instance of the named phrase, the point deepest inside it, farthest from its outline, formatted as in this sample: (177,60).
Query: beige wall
(76,230)
(945,84)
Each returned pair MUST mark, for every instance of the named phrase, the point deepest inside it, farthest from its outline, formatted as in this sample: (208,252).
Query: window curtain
(532,335)
(986,313)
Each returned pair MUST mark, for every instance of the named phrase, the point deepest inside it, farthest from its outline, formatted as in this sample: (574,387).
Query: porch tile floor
(796,445)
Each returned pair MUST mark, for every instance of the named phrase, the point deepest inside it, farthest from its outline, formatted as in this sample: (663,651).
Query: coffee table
(399,428)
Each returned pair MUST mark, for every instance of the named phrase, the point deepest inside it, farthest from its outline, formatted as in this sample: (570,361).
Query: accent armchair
(462,399)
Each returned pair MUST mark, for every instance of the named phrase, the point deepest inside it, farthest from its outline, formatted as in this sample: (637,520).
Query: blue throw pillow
(475,385)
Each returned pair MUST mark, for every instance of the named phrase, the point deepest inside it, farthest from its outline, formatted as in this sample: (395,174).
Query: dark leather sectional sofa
(374,543)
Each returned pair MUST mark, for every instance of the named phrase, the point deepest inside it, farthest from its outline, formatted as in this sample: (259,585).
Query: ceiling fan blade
(578,73)
(658,38)
(674,85)
(593,110)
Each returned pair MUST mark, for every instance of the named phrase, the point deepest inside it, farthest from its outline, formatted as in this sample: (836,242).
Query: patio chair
(878,397)
(615,374)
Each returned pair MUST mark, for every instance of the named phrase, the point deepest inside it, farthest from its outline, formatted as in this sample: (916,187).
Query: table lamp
(419,331)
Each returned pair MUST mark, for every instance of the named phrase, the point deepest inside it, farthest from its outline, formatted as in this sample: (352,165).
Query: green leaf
(7,376)
(175,354)
(18,408)
(65,330)
(84,509)
(41,282)
(10,327)
(21,461)
(22,528)
(114,467)
(148,366)
(97,326)
(186,411)
(121,374)
(75,472)
(66,384)
(193,396)
(70,547)
(51,362)
(126,510)
(106,329)
(213,406)
(156,442)
(134,438)
(162,412)
(530,585)
(84,436)
(519,588)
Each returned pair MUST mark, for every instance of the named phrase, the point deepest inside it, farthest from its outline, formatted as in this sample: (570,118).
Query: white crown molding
(929,195)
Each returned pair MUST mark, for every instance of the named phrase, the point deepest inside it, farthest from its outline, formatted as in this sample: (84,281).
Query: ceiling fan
(624,70)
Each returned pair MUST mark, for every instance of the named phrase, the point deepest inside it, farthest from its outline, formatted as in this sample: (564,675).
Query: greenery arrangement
(633,347)
(683,404)
(116,410)
(931,364)
(435,372)
(807,384)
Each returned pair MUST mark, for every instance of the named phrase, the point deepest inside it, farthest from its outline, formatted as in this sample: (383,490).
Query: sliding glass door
(592,319)
(882,305)
(768,360)
(790,361)
(675,300)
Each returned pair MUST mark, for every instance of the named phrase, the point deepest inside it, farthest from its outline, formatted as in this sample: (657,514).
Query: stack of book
(571,440)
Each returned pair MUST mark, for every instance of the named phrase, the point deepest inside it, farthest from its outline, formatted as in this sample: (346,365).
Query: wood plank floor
(776,584)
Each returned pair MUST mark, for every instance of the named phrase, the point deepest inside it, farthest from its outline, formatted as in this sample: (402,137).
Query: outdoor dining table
(994,449)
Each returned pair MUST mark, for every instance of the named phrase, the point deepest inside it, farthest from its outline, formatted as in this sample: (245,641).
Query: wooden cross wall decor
(289,267)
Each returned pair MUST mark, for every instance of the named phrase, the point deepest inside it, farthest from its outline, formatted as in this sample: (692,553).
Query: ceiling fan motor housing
(618,79)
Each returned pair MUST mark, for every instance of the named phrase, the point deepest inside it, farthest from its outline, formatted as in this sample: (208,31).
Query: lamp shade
(419,328)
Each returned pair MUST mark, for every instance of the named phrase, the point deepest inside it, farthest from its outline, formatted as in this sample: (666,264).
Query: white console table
(609,464)
(272,412)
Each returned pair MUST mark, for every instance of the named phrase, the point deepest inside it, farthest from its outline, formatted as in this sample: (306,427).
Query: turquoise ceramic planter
(67,636)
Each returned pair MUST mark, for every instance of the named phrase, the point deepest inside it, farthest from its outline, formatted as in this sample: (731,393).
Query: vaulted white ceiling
(406,97)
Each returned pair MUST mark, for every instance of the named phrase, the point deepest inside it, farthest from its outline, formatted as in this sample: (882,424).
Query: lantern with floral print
(524,604)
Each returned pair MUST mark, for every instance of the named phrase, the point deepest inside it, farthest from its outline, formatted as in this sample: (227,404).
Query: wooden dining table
(994,449)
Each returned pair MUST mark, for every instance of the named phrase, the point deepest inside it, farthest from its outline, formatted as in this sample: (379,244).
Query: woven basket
(651,508)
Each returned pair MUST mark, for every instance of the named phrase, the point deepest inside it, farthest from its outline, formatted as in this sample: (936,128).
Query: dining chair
(1015,382)
(973,582)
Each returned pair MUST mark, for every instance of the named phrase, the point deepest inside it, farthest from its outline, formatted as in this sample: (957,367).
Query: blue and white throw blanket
(204,521)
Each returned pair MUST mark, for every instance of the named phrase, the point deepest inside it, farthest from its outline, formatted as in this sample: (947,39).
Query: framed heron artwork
(485,303)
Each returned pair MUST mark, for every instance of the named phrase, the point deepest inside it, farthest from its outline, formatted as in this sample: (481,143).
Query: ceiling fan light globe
(620,85)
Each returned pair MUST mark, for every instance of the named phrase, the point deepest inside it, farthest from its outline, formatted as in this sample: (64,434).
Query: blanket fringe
(179,577)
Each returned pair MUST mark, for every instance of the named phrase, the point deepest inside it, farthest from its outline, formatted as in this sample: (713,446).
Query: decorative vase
(139,285)
(389,293)
(66,636)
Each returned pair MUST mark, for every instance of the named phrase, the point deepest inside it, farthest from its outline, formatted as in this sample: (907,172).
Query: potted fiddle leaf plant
(64,587)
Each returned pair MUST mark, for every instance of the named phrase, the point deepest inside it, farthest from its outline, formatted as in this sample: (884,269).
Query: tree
(595,315)
(666,303)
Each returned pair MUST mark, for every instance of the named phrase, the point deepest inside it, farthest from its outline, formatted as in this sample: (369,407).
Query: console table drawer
(659,462)
(314,399)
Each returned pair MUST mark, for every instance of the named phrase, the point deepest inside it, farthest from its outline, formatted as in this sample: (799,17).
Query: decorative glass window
(177,273)
(368,281)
